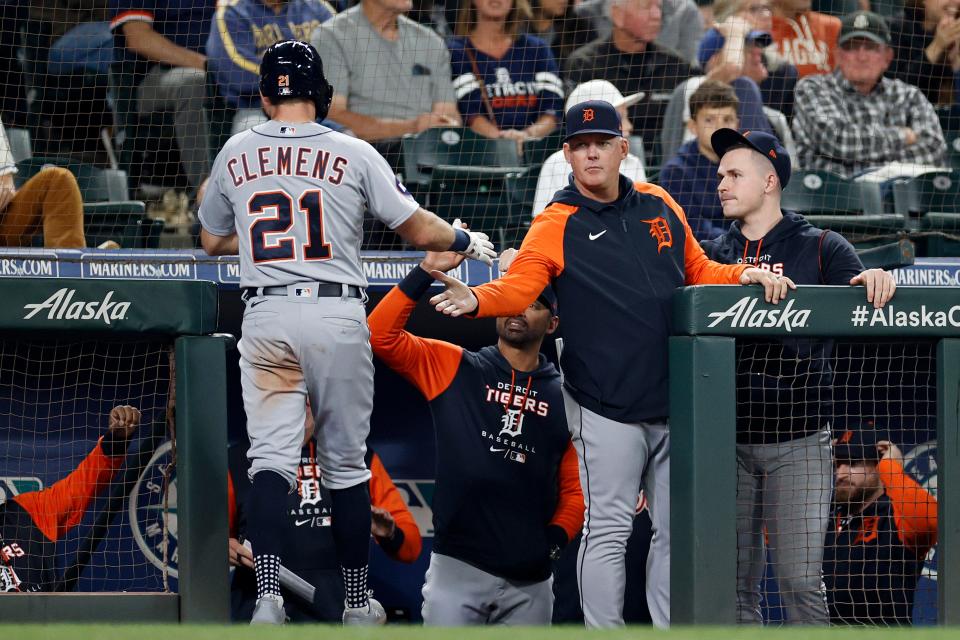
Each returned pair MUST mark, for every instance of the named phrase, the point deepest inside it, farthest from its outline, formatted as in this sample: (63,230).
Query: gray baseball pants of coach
(616,460)
(785,486)
(457,594)
(294,346)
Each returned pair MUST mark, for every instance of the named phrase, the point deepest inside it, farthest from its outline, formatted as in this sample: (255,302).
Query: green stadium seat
(865,231)
(124,222)
(819,192)
(936,191)
(942,234)
(456,152)
(897,254)
(96,184)
(536,152)
(20,145)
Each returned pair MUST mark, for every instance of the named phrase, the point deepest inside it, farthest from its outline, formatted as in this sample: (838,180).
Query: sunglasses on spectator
(862,43)
(759,9)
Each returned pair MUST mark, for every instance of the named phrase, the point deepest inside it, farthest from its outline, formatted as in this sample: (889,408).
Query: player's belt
(307,290)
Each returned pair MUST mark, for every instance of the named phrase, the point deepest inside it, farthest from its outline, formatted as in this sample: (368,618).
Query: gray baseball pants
(785,487)
(616,460)
(456,594)
(292,347)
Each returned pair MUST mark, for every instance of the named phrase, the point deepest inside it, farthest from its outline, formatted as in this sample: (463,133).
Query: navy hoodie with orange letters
(784,387)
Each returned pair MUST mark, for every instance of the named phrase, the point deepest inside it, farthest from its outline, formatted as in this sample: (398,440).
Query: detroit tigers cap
(858,444)
(548,298)
(864,24)
(713,41)
(592,116)
(766,144)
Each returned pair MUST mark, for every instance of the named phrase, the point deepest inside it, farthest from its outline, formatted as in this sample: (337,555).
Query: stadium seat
(936,191)
(536,152)
(866,231)
(942,234)
(819,192)
(96,184)
(456,153)
(893,255)
(20,144)
(124,222)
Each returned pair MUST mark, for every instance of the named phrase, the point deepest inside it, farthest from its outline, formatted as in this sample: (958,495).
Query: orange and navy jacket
(32,523)
(872,559)
(507,485)
(308,546)
(614,267)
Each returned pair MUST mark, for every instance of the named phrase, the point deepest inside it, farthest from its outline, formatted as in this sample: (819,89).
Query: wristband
(416,283)
(461,241)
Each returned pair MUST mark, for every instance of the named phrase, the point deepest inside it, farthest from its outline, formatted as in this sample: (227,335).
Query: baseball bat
(291,581)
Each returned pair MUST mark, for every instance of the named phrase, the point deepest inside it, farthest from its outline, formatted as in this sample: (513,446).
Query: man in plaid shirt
(854,119)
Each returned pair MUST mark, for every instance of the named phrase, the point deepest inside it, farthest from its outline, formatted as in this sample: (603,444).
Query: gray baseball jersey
(296,194)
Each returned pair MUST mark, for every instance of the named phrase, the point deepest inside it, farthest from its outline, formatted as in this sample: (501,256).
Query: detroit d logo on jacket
(660,231)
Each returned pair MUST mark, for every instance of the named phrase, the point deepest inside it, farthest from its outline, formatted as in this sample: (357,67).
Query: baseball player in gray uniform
(289,196)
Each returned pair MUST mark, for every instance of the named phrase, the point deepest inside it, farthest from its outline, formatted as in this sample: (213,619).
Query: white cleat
(269,610)
(370,615)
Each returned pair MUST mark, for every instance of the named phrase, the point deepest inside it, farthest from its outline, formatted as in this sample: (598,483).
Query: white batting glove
(480,247)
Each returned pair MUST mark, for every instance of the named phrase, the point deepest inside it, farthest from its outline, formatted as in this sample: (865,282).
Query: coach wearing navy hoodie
(784,387)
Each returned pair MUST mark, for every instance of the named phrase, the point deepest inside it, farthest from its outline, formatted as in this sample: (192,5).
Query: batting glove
(478,246)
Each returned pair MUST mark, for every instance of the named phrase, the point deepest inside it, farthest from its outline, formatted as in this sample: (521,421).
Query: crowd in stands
(856,91)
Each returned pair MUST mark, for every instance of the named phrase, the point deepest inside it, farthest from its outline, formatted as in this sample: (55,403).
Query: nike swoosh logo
(256,302)
(299,523)
(594,236)
(495,450)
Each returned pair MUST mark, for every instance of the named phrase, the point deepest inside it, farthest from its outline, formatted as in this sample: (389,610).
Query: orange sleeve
(231,506)
(384,494)
(914,508)
(538,262)
(60,507)
(570,506)
(430,365)
(698,267)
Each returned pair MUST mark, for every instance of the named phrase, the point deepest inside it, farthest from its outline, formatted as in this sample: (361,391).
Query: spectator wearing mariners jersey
(507,82)
(50,200)
(241,31)
(883,524)
(158,47)
(32,523)
(784,387)
(616,250)
(507,493)
(855,119)
(310,551)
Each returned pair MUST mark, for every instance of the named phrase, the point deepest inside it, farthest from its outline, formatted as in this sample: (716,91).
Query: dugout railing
(182,315)
(707,323)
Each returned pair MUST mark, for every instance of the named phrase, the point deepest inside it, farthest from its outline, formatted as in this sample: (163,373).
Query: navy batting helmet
(293,69)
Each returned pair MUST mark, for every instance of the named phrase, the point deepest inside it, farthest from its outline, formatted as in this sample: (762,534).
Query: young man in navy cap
(508,495)
(883,524)
(616,250)
(784,387)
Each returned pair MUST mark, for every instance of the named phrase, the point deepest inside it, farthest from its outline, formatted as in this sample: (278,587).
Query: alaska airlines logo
(660,231)
(743,313)
(62,306)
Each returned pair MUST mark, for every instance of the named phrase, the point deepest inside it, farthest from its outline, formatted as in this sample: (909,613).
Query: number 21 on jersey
(270,238)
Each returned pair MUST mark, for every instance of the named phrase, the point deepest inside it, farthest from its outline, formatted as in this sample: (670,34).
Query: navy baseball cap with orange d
(858,444)
(548,299)
(765,144)
(592,116)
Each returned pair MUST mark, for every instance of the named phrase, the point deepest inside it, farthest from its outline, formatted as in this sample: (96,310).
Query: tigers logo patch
(660,231)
